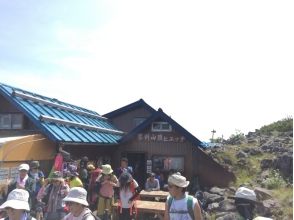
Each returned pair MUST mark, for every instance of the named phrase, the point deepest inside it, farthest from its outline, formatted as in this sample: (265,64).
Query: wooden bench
(154,195)
(157,208)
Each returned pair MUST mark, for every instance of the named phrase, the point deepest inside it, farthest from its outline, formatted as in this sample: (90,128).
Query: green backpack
(189,205)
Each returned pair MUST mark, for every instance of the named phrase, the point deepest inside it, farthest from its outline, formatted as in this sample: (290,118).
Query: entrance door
(138,162)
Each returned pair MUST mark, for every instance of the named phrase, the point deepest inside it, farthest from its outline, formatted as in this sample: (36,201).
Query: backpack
(189,205)
(89,214)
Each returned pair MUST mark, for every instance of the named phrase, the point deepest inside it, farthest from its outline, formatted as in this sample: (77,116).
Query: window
(161,126)
(138,121)
(11,121)
(166,163)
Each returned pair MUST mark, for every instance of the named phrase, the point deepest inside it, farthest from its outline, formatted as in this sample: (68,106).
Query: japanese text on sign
(160,138)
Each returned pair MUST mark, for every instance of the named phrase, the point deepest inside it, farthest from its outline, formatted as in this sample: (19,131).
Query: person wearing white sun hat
(23,181)
(179,204)
(78,205)
(17,205)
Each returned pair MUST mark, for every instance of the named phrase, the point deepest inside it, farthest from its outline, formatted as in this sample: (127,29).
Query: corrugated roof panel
(79,135)
(84,133)
(90,133)
(110,138)
(68,132)
(62,135)
(61,121)
(29,107)
(105,136)
(97,136)
(102,138)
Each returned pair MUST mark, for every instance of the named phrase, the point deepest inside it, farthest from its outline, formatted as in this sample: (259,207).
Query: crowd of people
(86,192)
(72,191)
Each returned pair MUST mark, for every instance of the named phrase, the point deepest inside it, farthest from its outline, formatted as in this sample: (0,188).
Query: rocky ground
(257,156)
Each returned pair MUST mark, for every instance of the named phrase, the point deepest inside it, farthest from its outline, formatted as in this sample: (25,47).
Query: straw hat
(106,169)
(78,195)
(24,166)
(17,199)
(178,180)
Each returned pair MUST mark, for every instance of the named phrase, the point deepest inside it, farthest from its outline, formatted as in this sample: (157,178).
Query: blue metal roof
(60,121)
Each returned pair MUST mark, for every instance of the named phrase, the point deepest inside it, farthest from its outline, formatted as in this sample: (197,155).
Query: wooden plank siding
(182,149)
(210,172)
(126,123)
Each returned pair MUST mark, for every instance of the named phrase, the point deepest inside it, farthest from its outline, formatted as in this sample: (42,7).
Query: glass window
(161,126)
(5,121)
(16,121)
(11,121)
(165,163)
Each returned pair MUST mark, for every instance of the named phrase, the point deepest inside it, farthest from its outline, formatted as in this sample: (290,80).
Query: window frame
(181,168)
(12,118)
(160,129)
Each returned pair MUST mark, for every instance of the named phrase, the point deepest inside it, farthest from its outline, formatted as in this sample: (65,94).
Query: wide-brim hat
(178,180)
(245,194)
(78,195)
(106,169)
(17,199)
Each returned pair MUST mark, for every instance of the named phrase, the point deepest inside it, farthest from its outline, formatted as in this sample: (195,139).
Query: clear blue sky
(223,65)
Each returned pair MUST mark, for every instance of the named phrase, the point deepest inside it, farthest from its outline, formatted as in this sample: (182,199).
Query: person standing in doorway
(124,162)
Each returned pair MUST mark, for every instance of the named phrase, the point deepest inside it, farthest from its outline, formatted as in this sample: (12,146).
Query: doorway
(138,162)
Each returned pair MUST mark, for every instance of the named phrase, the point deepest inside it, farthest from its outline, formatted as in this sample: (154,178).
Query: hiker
(92,193)
(17,205)
(38,176)
(76,200)
(83,172)
(124,167)
(245,201)
(128,192)
(152,184)
(52,196)
(23,181)
(73,177)
(106,181)
(179,204)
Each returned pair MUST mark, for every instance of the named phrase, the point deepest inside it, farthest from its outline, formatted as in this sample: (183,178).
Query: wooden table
(157,208)
(162,195)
